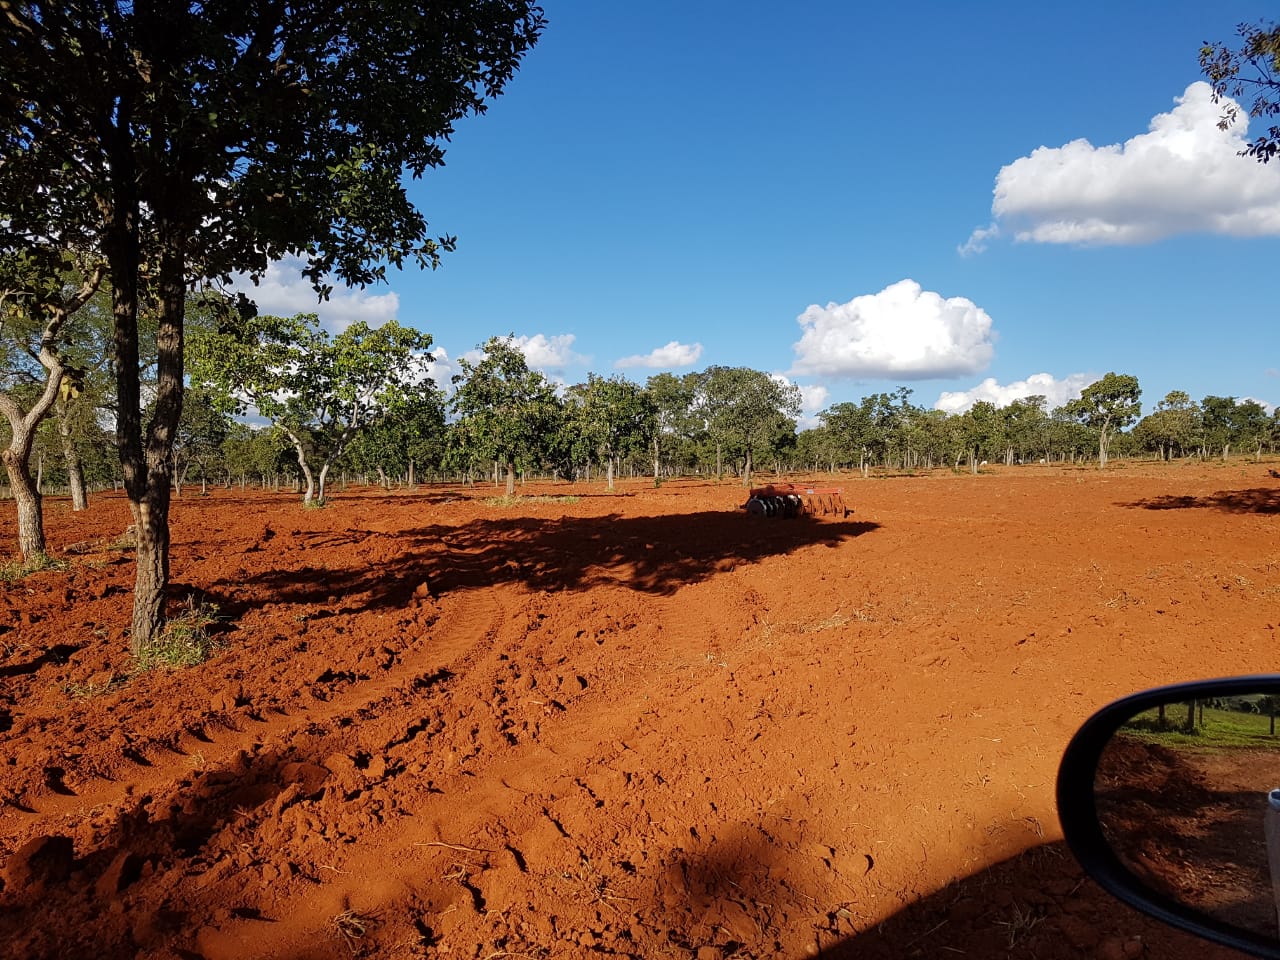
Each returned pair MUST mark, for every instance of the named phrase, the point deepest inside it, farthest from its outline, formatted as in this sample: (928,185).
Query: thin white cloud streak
(1184,175)
(667,357)
(1055,391)
(903,332)
(977,242)
(283,291)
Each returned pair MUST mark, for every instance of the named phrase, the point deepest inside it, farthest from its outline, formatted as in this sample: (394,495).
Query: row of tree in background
(362,404)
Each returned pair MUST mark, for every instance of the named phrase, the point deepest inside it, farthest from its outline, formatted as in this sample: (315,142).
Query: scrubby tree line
(504,421)
(363,403)
(887,430)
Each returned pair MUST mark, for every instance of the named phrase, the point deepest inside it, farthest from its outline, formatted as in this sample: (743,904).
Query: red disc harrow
(795,500)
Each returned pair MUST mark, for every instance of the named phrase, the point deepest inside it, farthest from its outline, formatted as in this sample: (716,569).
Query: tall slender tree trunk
(145,458)
(75,470)
(609,473)
(324,475)
(309,483)
(511,479)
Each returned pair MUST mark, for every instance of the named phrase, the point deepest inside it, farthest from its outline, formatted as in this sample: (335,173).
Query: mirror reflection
(1188,796)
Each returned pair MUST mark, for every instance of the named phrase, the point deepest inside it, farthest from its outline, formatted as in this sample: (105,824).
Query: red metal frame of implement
(795,500)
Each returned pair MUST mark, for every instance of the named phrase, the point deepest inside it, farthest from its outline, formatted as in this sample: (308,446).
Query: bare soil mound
(636,724)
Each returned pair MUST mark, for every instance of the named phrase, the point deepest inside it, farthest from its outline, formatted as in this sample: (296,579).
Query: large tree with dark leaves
(192,140)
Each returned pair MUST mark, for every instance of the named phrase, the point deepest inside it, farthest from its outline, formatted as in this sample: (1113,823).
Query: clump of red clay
(636,724)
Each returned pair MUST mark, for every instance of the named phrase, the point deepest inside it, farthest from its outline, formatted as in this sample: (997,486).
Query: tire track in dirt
(156,766)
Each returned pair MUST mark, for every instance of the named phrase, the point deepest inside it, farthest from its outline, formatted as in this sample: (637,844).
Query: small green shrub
(185,640)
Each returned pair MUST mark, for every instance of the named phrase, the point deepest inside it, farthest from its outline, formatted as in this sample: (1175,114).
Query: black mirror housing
(1082,824)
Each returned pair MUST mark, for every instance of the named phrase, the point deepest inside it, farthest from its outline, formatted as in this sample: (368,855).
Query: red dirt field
(640,724)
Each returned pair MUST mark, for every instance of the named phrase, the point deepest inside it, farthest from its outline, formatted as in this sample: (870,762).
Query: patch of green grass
(17,569)
(516,499)
(88,690)
(1220,729)
(185,640)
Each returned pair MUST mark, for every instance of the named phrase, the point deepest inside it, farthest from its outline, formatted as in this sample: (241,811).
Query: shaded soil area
(638,724)
(1191,824)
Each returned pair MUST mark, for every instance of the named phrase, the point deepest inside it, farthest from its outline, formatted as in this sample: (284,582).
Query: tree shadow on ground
(655,555)
(1037,905)
(1257,500)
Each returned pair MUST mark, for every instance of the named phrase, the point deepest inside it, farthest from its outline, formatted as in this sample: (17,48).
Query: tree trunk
(75,470)
(609,473)
(27,498)
(300,452)
(412,480)
(22,426)
(146,459)
(655,460)
(746,470)
(324,474)
(719,464)
(511,478)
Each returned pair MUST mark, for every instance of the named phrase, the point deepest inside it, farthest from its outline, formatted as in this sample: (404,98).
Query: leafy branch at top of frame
(1252,68)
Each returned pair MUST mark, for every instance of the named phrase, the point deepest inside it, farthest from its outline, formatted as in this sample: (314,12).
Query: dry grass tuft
(353,927)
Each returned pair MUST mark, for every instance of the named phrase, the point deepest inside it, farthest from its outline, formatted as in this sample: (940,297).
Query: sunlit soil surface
(636,724)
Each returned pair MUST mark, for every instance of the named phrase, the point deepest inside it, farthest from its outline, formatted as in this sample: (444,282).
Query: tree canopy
(1249,68)
(1107,405)
(320,391)
(507,413)
(188,141)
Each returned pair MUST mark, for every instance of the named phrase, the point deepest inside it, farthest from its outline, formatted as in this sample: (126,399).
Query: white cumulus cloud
(1183,175)
(667,357)
(813,399)
(1055,391)
(548,353)
(442,369)
(283,291)
(902,332)
(551,355)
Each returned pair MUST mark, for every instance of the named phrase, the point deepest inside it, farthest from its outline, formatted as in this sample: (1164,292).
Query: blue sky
(704,174)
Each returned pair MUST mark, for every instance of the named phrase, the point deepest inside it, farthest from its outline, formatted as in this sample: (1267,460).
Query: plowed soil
(638,724)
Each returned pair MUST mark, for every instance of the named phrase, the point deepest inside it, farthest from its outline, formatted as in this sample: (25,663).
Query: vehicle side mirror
(1170,800)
